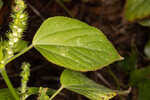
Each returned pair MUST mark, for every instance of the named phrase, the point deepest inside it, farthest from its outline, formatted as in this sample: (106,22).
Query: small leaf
(137,9)
(1,50)
(147,49)
(144,89)
(1,54)
(73,44)
(145,22)
(77,82)
(21,44)
(35,90)
(42,94)
(139,75)
(129,64)
(5,94)
(1,4)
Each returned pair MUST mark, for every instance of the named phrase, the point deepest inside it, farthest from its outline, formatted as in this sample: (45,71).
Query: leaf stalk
(57,92)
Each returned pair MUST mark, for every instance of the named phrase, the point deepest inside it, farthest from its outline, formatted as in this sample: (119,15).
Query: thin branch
(35,11)
(100,76)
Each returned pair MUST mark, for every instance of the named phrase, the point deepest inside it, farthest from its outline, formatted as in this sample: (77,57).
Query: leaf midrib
(69,46)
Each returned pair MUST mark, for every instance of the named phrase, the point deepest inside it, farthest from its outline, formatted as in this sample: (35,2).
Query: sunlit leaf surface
(73,44)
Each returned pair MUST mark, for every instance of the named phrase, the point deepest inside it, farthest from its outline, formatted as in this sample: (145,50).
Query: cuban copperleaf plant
(66,42)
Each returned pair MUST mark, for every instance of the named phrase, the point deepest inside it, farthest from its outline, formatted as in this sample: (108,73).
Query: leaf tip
(121,58)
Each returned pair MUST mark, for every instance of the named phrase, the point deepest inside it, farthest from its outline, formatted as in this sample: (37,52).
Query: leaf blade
(84,46)
(145,22)
(137,9)
(77,82)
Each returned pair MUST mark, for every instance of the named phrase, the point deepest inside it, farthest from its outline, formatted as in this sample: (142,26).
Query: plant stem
(7,81)
(64,7)
(57,92)
(118,83)
(19,54)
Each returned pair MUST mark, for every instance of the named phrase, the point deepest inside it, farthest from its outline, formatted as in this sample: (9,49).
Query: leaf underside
(73,44)
(77,82)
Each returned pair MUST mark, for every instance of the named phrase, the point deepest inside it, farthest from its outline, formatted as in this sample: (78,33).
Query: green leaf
(147,49)
(1,50)
(21,44)
(1,4)
(77,82)
(139,75)
(73,44)
(137,9)
(145,22)
(35,90)
(129,64)
(1,54)
(43,95)
(144,89)
(6,95)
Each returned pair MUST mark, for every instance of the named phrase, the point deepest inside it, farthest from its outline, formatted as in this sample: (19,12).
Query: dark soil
(107,15)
